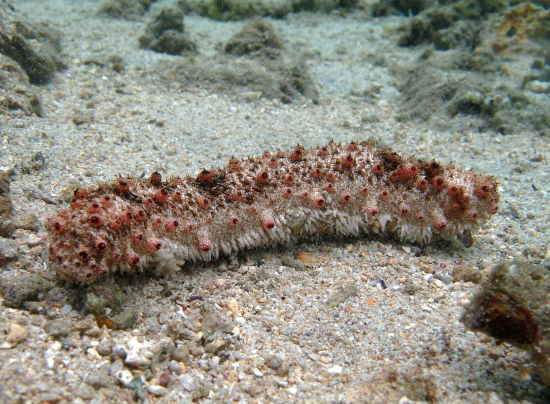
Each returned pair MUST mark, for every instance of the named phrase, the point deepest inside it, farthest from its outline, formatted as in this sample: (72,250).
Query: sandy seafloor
(379,345)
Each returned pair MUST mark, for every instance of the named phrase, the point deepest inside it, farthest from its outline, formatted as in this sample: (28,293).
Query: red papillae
(80,193)
(233,220)
(345,197)
(278,197)
(122,187)
(172,224)
(318,200)
(204,243)
(154,244)
(156,179)
(161,195)
(287,192)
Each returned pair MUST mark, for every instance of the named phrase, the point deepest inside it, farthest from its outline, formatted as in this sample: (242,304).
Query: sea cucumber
(132,224)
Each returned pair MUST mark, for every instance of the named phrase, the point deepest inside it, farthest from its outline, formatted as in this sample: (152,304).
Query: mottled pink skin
(338,189)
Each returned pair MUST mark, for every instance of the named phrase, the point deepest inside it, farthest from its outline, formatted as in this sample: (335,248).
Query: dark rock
(9,250)
(181,354)
(257,38)
(102,295)
(125,9)
(465,273)
(214,322)
(24,288)
(58,328)
(165,33)
(28,221)
(38,67)
(511,305)
(164,379)
(127,319)
(274,362)
(172,43)
(162,350)
(17,94)
(105,349)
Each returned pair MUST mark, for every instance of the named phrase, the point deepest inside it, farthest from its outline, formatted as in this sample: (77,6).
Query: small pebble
(164,379)
(233,306)
(124,377)
(17,333)
(157,390)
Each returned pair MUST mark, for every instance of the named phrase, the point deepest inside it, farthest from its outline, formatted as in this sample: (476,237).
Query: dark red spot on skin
(316,172)
(377,169)
(273,163)
(115,224)
(404,209)
(162,195)
(155,245)
(453,191)
(348,161)
(289,180)
(238,196)
(329,187)
(133,259)
(95,208)
(205,244)
(384,194)
(156,179)
(126,218)
(57,225)
(287,192)
(263,177)
(421,184)
(233,220)
(394,176)
(323,152)
(298,154)
(205,177)
(172,225)
(95,221)
(100,245)
(80,193)
(204,203)
(330,177)
(140,215)
(345,198)
(438,183)
(83,255)
(481,191)
(122,186)
(177,196)
(318,201)
(440,223)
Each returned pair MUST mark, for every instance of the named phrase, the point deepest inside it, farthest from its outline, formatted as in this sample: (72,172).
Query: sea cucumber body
(337,189)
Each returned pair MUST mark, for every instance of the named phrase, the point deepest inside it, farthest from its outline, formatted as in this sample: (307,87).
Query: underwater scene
(274,201)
